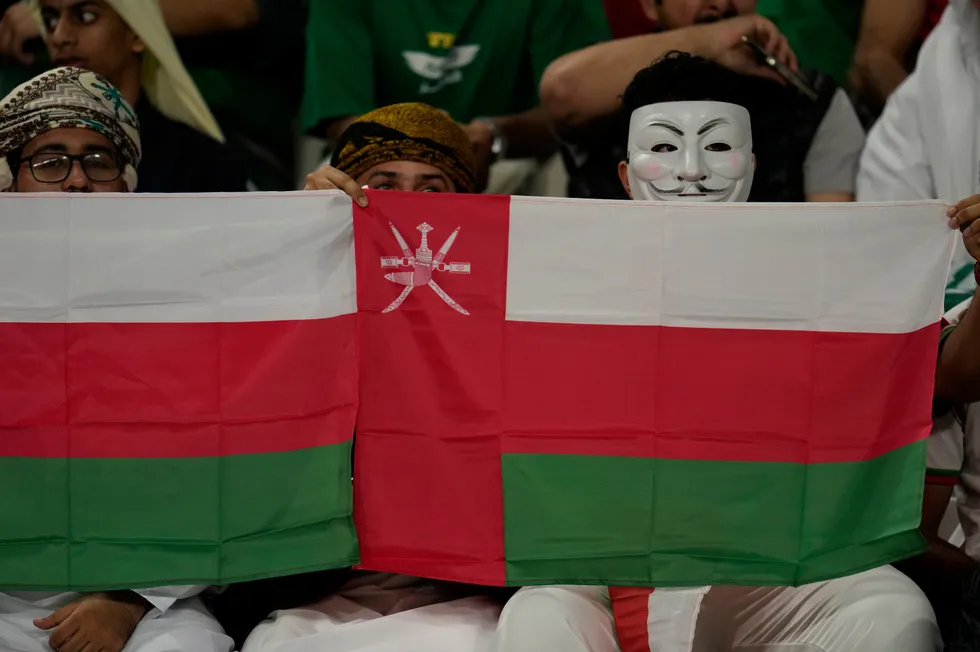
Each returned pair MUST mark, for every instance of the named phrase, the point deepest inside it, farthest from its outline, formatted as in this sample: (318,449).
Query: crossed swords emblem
(423,263)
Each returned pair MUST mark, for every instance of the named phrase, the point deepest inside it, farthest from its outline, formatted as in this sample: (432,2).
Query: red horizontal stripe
(948,480)
(715,394)
(176,390)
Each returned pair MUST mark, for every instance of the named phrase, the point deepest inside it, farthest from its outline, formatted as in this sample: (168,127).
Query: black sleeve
(221,169)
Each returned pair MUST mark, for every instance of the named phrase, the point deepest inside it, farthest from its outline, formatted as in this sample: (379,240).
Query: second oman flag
(588,392)
(178,389)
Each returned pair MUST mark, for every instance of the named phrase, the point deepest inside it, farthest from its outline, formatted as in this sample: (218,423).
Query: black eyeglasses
(53,167)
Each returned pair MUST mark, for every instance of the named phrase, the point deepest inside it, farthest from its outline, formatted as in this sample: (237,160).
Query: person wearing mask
(808,149)
(127,42)
(695,143)
(70,130)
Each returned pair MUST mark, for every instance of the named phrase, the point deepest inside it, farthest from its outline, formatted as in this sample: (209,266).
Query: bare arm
(585,86)
(201,17)
(609,67)
(958,369)
(888,28)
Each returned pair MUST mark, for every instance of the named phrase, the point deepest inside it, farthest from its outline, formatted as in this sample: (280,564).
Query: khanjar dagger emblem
(423,263)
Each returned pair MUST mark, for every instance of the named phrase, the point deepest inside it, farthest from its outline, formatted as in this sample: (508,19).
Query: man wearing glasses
(69,130)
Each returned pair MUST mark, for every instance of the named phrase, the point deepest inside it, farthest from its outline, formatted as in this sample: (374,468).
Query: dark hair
(681,77)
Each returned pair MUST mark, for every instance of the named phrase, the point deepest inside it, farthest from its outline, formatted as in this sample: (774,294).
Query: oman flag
(178,388)
(625,393)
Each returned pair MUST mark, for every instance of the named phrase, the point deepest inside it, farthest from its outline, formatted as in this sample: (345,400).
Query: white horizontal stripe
(176,258)
(816,267)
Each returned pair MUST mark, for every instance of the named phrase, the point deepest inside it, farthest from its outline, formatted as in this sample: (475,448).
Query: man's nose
(62,34)
(691,170)
(77,180)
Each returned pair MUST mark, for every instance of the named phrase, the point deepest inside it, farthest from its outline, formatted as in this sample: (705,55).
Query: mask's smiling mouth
(691,190)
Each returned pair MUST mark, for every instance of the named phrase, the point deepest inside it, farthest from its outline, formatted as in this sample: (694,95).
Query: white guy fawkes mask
(690,151)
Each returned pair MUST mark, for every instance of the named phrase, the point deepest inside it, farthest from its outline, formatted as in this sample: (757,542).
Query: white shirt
(160,598)
(926,145)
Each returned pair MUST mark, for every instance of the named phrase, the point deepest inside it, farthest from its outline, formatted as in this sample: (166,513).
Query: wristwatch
(499,146)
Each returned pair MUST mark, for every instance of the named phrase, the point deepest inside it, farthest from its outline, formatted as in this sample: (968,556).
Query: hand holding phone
(781,69)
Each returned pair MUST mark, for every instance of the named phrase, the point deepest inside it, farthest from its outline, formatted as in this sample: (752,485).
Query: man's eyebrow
(70,5)
(50,147)
(711,125)
(384,173)
(667,126)
(98,148)
(437,176)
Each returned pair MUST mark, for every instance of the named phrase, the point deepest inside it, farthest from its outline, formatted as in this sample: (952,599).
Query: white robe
(926,145)
(382,612)
(877,611)
(178,621)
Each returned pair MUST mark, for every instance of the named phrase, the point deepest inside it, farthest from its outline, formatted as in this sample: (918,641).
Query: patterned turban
(407,132)
(68,97)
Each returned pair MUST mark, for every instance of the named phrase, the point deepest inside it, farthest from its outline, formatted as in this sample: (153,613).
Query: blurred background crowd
(249,94)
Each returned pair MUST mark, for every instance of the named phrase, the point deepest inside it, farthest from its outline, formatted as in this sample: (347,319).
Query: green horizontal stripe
(90,524)
(652,522)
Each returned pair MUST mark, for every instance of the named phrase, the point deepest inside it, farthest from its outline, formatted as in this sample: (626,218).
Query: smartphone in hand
(781,69)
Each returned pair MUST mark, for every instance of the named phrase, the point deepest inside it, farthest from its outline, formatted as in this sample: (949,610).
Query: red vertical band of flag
(427,471)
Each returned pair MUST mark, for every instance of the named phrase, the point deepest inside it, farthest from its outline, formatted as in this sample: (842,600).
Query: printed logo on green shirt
(438,72)
(960,286)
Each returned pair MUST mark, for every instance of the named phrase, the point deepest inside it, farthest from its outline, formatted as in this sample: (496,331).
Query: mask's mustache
(704,20)
(686,190)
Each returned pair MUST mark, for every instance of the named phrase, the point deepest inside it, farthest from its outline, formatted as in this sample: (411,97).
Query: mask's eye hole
(719,147)
(663,148)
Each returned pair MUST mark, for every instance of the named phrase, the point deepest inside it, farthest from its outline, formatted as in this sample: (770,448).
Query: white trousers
(382,613)
(877,611)
(185,627)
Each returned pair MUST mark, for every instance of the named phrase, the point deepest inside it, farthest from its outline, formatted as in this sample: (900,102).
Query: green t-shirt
(823,33)
(470,58)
